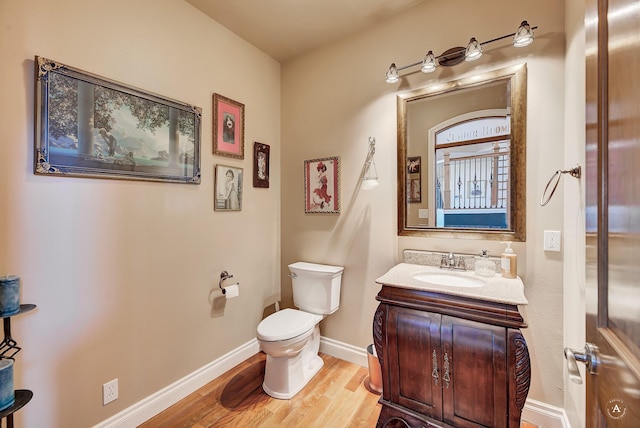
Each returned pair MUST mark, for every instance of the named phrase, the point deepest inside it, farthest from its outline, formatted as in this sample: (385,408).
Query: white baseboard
(344,351)
(544,415)
(538,413)
(152,405)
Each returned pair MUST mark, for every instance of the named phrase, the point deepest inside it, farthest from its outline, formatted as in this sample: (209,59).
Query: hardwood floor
(336,397)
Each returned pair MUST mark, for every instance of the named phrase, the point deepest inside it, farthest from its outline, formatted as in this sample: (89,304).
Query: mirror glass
(461,157)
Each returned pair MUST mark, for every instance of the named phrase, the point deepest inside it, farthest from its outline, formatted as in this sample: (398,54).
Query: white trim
(149,407)
(545,415)
(343,351)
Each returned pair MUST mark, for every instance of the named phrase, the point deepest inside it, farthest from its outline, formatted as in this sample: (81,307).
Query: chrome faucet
(449,262)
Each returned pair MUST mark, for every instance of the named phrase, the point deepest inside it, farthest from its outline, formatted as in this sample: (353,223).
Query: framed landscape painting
(90,126)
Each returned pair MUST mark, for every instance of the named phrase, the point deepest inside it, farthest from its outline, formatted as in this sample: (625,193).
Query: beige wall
(336,97)
(121,270)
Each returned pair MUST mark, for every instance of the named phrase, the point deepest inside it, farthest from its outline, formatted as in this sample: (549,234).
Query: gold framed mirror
(462,158)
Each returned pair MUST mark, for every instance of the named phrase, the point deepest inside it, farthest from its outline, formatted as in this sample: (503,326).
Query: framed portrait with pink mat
(228,127)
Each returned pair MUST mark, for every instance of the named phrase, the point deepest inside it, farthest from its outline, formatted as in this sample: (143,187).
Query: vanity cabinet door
(415,360)
(474,373)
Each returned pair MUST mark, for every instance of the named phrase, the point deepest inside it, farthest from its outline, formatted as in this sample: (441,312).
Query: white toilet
(290,337)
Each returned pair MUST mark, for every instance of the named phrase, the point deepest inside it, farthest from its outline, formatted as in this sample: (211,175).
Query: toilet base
(284,377)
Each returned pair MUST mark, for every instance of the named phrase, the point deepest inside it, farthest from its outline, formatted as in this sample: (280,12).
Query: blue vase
(7,393)
(9,295)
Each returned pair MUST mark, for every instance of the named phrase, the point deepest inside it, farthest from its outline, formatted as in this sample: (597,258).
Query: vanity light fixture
(392,74)
(429,63)
(521,38)
(473,51)
(370,178)
(524,35)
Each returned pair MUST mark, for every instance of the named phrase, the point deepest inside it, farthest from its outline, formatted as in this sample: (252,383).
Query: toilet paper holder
(224,275)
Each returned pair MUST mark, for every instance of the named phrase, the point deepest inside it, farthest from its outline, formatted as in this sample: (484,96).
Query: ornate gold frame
(517,210)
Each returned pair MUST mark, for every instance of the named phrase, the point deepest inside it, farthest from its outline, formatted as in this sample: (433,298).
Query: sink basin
(448,279)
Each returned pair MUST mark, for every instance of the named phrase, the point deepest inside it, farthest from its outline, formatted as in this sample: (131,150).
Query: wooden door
(613,212)
(415,367)
(474,373)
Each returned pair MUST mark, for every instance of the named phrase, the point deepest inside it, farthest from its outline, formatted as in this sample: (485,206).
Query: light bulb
(524,35)
(474,50)
(392,74)
(429,63)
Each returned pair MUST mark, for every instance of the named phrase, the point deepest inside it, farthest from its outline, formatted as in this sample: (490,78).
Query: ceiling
(285,29)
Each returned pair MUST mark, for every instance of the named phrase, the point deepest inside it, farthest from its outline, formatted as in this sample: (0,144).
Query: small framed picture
(321,185)
(260,165)
(227,188)
(413,165)
(414,190)
(228,127)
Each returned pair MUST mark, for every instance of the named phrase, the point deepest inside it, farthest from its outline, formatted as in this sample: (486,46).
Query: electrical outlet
(109,392)
(552,240)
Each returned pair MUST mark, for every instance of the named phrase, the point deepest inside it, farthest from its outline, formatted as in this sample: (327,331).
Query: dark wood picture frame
(414,189)
(413,164)
(261,154)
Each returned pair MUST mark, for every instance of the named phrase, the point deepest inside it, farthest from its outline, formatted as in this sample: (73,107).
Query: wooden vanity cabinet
(449,361)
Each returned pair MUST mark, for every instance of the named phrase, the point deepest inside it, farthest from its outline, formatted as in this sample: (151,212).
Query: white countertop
(495,289)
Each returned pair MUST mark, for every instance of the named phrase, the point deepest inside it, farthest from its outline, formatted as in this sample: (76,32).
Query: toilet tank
(316,288)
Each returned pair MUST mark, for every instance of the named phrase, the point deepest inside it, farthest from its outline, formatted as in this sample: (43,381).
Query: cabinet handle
(446,376)
(434,373)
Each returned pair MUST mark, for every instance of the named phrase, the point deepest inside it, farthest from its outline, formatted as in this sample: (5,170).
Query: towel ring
(576,172)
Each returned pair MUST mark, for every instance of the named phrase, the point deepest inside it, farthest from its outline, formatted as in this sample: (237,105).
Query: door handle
(589,357)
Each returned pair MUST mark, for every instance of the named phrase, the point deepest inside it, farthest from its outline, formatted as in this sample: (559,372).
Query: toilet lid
(286,324)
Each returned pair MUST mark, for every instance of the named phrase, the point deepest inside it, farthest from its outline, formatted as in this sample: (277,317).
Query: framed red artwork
(322,185)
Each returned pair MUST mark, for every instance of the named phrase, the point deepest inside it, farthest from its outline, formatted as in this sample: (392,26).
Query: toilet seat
(286,324)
